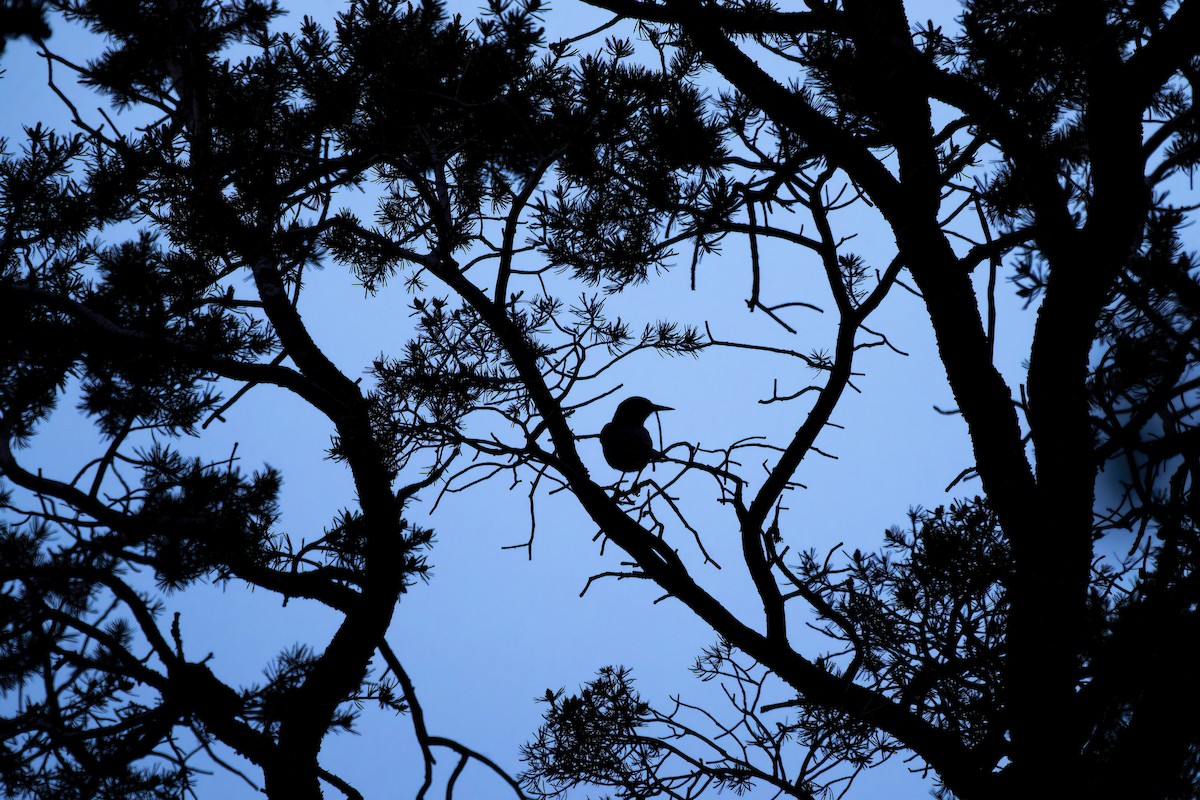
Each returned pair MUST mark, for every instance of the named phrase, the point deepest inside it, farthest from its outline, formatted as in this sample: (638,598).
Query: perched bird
(626,442)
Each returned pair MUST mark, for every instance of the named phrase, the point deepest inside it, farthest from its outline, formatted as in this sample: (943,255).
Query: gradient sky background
(493,630)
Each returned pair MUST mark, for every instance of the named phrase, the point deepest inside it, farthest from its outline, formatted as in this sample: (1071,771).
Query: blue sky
(492,630)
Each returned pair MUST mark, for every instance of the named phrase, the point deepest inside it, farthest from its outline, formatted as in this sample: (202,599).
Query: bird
(626,442)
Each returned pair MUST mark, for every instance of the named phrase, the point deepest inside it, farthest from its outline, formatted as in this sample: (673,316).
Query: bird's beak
(660,408)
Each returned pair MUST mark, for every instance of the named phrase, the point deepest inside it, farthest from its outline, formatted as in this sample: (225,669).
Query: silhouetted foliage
(22,18)
(1031,641)
(995,638)
(124,291)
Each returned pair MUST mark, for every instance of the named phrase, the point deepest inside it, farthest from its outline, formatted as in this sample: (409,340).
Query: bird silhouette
(626,442)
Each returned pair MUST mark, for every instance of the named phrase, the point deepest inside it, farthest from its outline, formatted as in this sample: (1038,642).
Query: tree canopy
(1030,638)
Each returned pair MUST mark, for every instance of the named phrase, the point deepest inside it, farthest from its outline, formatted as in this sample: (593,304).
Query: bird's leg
(624,496)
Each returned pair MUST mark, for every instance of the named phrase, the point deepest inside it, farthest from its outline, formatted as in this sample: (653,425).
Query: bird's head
(634,410)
